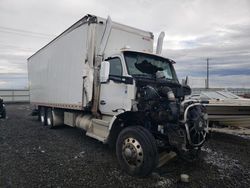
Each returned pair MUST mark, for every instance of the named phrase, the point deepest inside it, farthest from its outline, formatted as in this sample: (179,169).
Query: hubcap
(128,152)
(132,152)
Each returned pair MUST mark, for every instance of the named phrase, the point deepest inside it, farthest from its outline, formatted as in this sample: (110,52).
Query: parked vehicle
(104,78)
(2,109)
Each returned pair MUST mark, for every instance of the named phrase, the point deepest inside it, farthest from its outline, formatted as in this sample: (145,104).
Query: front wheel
(136,151)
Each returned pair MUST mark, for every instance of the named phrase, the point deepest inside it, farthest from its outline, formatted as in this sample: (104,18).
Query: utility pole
(207,85)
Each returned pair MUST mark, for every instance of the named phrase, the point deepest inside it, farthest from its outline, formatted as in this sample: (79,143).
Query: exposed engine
(183,123)
(159,104)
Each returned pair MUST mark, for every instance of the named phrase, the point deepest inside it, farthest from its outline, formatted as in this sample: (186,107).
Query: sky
(195,30)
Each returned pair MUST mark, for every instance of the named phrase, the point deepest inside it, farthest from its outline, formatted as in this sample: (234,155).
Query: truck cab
(124,72)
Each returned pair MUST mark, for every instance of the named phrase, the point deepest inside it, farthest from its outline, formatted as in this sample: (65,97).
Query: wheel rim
(132,152)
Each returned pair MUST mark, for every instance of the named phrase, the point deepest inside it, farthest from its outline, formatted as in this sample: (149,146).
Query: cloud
(13,81)
(228,53)
(2,83)
(238,81)
(195,30)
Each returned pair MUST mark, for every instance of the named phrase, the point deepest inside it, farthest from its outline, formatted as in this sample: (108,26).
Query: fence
(236,91)
(12,96)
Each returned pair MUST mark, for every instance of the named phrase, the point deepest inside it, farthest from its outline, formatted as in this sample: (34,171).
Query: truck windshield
(140,64)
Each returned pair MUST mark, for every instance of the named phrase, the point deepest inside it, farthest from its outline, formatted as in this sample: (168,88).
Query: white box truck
(104,78)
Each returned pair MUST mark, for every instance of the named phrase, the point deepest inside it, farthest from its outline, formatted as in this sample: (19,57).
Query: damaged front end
(191,131)
(195,120)
(177,125)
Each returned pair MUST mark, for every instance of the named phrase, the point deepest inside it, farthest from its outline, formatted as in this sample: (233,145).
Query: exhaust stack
(160,43)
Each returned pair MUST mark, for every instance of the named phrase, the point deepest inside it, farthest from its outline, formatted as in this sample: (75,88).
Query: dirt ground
(31,155)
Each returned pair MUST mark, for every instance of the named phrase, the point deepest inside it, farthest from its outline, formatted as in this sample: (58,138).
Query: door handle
(102,102)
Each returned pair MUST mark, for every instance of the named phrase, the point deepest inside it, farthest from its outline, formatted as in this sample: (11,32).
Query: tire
(50,118)
(136,151)
(42,115)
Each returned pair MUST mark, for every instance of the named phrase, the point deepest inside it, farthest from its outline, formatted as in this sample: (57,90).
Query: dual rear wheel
(46,116)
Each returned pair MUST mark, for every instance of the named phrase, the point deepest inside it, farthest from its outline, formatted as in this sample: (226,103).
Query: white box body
(57,70)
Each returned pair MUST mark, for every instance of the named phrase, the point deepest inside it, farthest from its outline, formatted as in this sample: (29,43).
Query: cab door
(113,92)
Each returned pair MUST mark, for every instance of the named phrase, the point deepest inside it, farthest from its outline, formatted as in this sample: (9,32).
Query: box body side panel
(56,72)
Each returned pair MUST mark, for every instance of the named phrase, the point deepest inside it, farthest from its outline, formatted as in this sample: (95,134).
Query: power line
(23,34)
(24,31)
(13,47)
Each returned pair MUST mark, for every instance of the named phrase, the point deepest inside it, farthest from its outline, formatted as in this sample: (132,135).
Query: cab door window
(115,67)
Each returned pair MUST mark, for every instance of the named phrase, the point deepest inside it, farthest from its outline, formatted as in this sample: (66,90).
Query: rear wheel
(136,151)
(50,118)
(42,115)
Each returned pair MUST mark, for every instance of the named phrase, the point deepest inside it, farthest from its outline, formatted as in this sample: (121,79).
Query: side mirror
(104,71)
(186,90)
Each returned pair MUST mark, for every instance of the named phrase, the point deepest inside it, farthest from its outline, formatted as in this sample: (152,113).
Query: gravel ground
(31,155)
